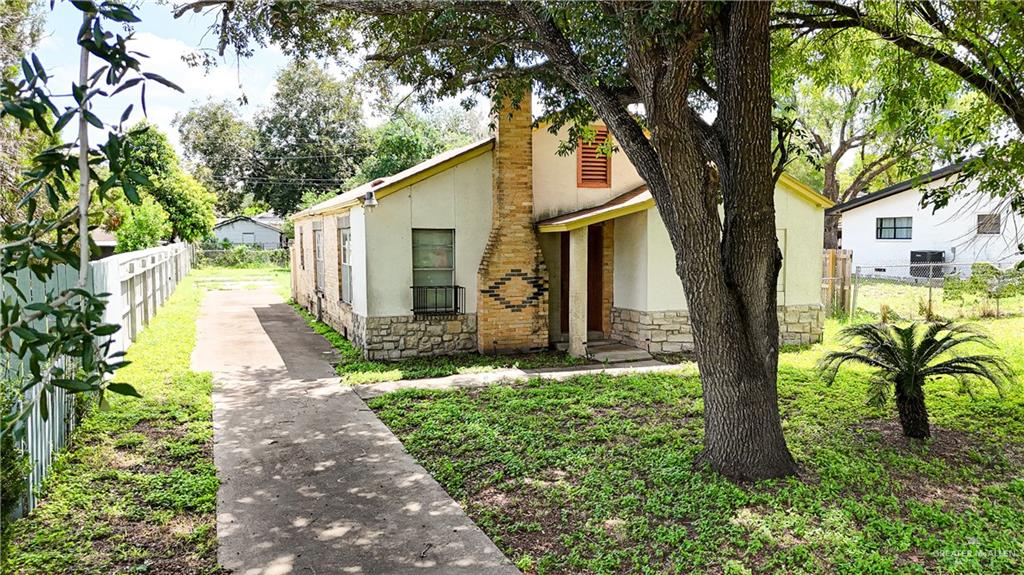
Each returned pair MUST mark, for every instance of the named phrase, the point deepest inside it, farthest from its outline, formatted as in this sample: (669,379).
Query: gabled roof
(382,187)
(640,199)
(901,187)
(248,219)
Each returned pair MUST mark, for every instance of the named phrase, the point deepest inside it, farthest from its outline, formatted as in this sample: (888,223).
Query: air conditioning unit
(918,257)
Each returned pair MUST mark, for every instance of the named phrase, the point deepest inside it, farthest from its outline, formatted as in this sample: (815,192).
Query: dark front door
(595,280)
(595,284)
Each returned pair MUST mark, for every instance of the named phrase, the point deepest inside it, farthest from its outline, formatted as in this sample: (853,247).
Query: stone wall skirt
(397,337)
(671,331)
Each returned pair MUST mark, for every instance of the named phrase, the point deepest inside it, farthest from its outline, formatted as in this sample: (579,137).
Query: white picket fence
(138,283)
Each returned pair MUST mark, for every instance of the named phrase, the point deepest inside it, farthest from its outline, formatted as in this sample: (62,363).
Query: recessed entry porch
(580,254)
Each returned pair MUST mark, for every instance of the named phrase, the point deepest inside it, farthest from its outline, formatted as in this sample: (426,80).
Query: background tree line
(311,142)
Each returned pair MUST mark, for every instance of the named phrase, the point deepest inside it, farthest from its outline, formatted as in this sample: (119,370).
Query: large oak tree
(648,70)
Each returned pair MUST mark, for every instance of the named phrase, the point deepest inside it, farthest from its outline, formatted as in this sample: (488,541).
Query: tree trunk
(729,267)
(913,414)
(830,189)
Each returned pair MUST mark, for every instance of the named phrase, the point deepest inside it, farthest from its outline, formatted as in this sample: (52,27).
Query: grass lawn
(136,491)
(213,277)
(910,301)
(595,475)
(355,370)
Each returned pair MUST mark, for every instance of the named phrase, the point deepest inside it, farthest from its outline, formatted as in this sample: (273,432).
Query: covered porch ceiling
(635,200)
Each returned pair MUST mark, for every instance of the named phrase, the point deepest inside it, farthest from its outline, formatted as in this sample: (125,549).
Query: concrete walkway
(311,481)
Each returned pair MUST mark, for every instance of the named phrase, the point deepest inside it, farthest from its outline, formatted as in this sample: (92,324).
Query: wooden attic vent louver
(593,169)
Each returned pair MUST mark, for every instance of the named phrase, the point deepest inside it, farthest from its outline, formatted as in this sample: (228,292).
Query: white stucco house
(889,229)
(263,231)
(504,245)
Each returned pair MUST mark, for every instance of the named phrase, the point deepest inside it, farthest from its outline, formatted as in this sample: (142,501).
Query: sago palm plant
(905,358)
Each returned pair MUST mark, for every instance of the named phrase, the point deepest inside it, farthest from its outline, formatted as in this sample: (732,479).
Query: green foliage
(905,358)
(188,204)
(44,327)
(137,488)
(14,463)
(142,226)
(596,475)
(308,200)
(218,144)
(986,281)
(243,256)
(355,370)
(310,138)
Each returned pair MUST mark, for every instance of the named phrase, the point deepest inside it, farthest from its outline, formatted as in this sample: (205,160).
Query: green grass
(355,370)
(213,277)
(136,491)
(910,301)
(596,475)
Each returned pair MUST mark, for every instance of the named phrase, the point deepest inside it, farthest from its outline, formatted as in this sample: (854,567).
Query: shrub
(14,462)
(905,358)
(242,256)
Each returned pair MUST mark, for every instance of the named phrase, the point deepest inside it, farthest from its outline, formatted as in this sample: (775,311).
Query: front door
(595,280)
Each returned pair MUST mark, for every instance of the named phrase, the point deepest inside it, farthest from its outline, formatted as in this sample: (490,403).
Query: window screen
(893,228)
(988,223)
(433,257)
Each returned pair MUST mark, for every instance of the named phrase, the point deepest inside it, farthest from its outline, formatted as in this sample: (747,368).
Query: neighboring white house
(258,231)
(504,245)
(889,229)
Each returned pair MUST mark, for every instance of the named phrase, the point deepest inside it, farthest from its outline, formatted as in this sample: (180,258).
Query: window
(345,259)
(433,266)
(318,256)
(302,251)
(593,168)
(249,238)
(893,228)
(988,224)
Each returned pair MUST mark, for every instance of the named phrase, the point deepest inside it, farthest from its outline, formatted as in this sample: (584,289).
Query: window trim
(580,149)
(344,259)
(879,227)
(319,261)
(998,225)
(413,247)
(302,250)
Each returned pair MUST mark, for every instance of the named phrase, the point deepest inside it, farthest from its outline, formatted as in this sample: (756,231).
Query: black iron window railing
(438,300)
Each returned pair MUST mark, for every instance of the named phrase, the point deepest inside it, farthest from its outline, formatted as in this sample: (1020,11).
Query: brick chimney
(512,307)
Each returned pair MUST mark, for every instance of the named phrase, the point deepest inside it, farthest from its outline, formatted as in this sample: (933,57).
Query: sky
(165,40)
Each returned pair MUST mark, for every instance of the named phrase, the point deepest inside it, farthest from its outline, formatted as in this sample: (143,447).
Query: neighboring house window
(249,238)
(433,268)
(893,228)
(345,259)
(988,224)
(593,168)
(302,251)
(318,257)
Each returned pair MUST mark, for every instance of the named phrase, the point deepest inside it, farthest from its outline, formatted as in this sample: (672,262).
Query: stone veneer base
(671,331)
(403,336)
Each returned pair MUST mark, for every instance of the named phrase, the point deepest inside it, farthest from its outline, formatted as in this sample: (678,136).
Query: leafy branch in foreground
(41,331)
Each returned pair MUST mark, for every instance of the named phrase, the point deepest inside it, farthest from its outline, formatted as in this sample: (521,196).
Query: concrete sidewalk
(311,481)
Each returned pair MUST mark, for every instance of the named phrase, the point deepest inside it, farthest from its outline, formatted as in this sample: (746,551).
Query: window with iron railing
(433,271)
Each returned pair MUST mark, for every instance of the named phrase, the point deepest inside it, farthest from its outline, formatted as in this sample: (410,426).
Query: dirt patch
(157,549)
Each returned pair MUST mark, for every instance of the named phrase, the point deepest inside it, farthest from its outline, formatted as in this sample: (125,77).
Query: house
(504,245)
(263,231)
(888,230)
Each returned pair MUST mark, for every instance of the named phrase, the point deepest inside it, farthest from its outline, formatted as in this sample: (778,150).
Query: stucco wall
(645,271)
(459,199)
(554,178)
(952,229)
(262,236)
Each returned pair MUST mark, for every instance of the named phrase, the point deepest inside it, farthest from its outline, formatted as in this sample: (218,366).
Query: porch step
(611,352)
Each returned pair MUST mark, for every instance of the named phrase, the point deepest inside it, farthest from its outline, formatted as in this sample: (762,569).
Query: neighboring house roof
(640,199)
(269,217)
(248,219)
(102,237)
(384,186)
(894,189)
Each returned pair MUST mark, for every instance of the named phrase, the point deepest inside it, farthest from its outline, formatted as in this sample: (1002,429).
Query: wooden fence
(836,268)
(139,283)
